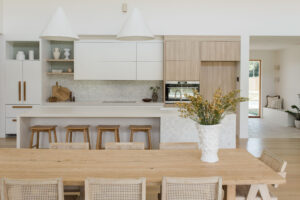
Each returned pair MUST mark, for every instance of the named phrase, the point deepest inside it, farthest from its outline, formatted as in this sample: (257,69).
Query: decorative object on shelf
(56,54)
(135,28)
(155,93)
(52,99)
(70,70)
(31,55)
(147,100)
(61,93)
(20,55)
(67,53)
(296,115)
(57,71)
(208,116)
(59,28)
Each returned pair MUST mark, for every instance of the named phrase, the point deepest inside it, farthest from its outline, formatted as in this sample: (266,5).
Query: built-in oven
(177,91)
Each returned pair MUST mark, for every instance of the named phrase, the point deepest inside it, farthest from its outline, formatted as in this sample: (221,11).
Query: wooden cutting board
(61,93)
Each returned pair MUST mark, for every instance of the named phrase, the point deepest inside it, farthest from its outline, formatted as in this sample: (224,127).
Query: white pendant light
(135,28)
(59,28)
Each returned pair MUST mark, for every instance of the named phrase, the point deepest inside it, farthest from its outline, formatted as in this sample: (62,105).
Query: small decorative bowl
(147,100)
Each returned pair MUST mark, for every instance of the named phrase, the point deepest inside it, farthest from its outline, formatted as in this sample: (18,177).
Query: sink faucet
(179,94)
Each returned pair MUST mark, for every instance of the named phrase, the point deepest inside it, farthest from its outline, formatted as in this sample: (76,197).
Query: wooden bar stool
(78,128)
(107,128)
(38,129)
(141,128)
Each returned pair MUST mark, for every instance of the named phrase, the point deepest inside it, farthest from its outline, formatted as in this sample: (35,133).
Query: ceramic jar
(67,54)
(31,55)
(56,53)
(20,55)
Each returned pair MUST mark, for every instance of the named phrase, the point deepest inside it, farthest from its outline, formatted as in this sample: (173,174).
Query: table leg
(231,192)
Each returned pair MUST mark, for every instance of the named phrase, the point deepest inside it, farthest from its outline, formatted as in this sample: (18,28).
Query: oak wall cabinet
(182,60)
(220,51)
(23,82)
(216,75)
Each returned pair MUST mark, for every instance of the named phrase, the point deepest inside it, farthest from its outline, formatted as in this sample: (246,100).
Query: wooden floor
(288,149)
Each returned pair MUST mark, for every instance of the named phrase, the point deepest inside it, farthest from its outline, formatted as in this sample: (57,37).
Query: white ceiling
(273,42)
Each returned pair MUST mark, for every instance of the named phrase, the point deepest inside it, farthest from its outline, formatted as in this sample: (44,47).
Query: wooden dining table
(236,166)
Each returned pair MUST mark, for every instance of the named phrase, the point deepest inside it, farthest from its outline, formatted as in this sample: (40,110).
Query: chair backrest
(206,188)
(124,146)
(115,189)
(69,146)
(179,146)
(46,189)
(274,162)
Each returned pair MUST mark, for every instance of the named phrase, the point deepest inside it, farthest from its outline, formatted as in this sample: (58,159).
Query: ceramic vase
(154,97)
(67,54)
(56,53)
(31,55)
(20,55)
(209,142)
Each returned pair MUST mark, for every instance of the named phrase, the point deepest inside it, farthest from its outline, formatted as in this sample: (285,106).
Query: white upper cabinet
(118,60)
(23,82)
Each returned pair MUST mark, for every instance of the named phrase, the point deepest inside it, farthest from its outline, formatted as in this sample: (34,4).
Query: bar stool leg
(50,138)
(55,137)
(31,139)
(98,140)
(67,136)
(71,136)
(38,139)
(116,136)
(131,135)
(149,139)
(118,132)
(88,136)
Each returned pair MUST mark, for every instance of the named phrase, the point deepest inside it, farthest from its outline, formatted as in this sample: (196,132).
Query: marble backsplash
(92,91)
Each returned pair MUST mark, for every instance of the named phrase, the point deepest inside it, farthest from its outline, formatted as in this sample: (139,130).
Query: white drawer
(11,126)
(15,110)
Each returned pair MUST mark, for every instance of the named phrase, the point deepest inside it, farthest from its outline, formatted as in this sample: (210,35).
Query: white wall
(268,62)
(289,85)
(1,16)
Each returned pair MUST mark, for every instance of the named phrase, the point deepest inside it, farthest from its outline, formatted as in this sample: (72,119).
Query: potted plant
(296,115)
(208,115)
(155,93)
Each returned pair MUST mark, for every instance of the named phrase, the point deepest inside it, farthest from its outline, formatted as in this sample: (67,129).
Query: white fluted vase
(209,142)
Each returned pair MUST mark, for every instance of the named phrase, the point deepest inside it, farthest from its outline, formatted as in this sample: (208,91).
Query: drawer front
(15,110)
(11,126)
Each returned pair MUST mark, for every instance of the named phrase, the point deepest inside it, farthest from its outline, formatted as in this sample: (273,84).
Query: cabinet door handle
(20,91)
(24,88)
(21,106)
(14,120)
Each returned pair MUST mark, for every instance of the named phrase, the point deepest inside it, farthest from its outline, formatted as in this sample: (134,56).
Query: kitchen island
(167,126)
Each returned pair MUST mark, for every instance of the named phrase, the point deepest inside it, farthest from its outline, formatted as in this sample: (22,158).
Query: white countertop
(101,110)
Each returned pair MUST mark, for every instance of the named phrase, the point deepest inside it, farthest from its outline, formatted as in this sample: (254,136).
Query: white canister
(31,55)
(20,55)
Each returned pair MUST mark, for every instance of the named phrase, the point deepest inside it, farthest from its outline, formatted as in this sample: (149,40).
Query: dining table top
(235,166)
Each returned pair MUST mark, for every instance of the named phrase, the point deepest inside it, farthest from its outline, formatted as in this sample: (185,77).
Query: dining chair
(115,189)
(179,146)
(73,146)
(206,188)
(246,191)
(23,189)
(124,146)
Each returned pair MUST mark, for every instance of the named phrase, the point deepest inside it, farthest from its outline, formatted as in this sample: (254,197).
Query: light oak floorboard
(288,149)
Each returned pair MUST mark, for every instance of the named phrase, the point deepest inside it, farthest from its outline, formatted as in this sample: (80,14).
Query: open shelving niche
(12,48)
(61,63)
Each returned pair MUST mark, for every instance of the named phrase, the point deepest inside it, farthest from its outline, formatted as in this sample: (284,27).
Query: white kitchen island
(166,123)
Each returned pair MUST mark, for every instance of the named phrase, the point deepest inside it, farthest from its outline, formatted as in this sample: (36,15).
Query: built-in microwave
(177,91)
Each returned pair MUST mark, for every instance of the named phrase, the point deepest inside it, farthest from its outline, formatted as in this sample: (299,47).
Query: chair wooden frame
(104,181)
(179,146)
(203,180)
(274,162)
(54,181)
(124,146)
(73,146)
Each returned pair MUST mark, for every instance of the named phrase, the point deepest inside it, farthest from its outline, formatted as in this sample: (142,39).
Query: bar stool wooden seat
(141,128)
(107,128)
(40,128)
(78,128)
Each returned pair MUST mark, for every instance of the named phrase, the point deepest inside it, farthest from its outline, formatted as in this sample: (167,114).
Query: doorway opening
(254,89)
